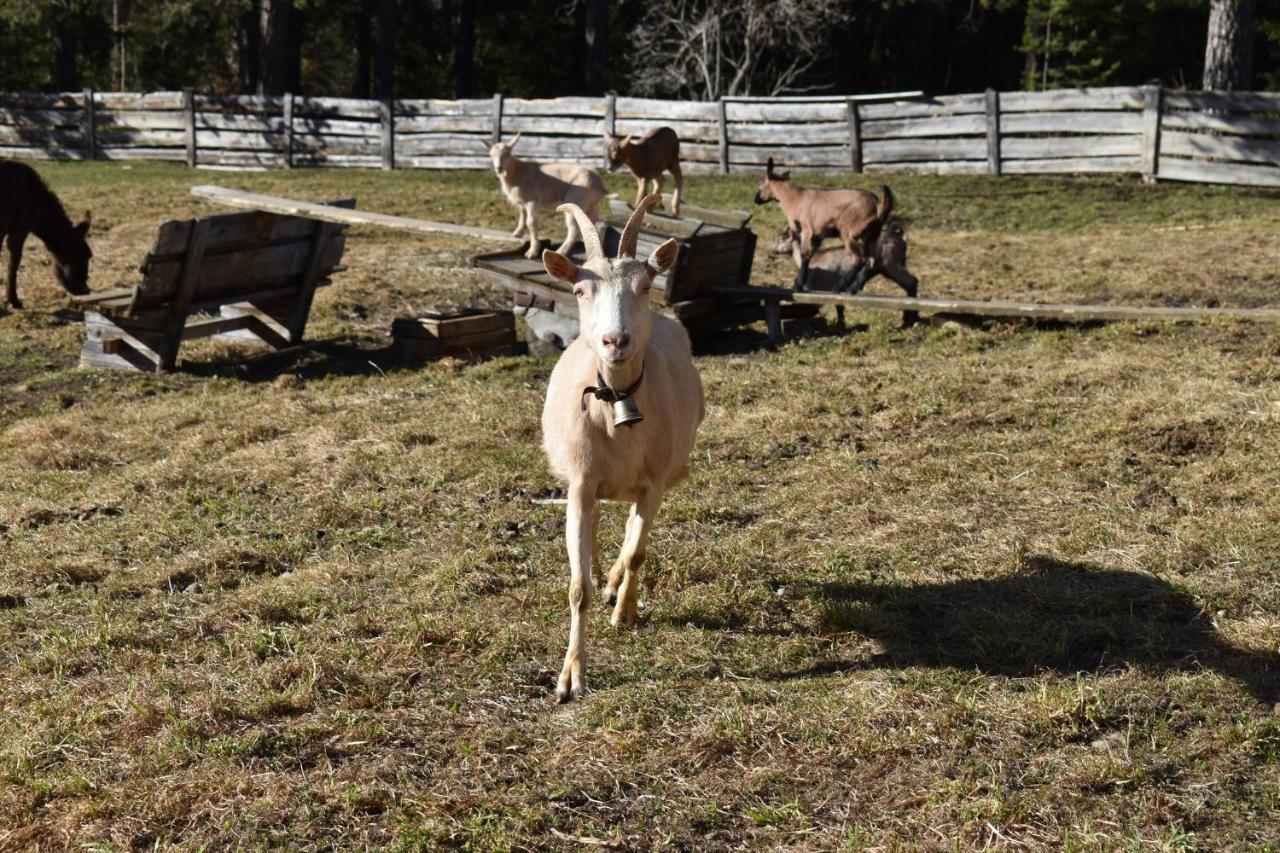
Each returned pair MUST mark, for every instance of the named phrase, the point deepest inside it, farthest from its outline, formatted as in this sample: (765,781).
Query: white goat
(530,186)
(624,351)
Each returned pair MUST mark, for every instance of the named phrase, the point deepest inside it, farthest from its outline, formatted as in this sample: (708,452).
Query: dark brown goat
(657,151)
(27,207)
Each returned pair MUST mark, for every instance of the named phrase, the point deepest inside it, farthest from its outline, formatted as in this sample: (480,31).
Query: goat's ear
(485,145)
(768,167)
(783,176)
(83,228)
(661,259)
(558,266)
(515,139)
(625,142)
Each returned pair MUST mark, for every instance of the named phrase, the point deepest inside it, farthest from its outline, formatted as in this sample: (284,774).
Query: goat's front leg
(579,534)
(16,242)
(531,224)
(623,589)
(678,177)
(641,184)
(519,221)
(571,234)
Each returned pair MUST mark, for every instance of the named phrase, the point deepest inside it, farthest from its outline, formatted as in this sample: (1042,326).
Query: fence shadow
(1058,616)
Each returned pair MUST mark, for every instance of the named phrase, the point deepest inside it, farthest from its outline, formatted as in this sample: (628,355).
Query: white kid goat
(531,186)
(621,413)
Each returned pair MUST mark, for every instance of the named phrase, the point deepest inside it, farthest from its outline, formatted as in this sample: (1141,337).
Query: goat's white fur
(531,186)
(620,337)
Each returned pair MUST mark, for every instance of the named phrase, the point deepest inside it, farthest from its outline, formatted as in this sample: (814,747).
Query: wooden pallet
(470,334)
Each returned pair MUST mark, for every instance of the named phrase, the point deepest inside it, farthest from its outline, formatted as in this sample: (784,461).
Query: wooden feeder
(470,334)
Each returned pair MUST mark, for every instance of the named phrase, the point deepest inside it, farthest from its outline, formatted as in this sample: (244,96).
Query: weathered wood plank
(1243,125)
(566,106)
(1044,148)
(446,123)
(1071,121)
(1073,165)
(1265,151)
(140,100)
(948,167)
(1102,98)
(259,123)
(42,119)
(1152,99)
(830,111)
(961,125)
(234,272)
(688,131)
(947,105)
(1033,310)
(135,120)
(552,124)
(1201,171)
(824,133)
(19,152)
(898,150)
(42,100)
(349,108)
(834,156)
(37,137)
(329,213)
(239,103)
(482,107)
(1241,102)
(650,108)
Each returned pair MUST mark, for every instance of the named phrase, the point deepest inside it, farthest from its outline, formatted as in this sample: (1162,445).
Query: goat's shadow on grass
(1055,616)
(312,360)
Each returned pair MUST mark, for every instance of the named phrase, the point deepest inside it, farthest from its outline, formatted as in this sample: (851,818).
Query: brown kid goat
(657,151)
(28,207)
(812,212)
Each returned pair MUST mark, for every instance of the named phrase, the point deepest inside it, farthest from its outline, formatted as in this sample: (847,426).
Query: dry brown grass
(945,587)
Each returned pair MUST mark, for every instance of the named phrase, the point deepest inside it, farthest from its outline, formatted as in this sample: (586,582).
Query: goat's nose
(617,340)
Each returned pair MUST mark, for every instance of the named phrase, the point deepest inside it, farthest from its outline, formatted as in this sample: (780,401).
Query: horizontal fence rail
(1213,137)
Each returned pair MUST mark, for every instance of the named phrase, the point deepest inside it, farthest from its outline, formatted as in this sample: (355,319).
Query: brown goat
(657,151)
(814,212)
(28,207)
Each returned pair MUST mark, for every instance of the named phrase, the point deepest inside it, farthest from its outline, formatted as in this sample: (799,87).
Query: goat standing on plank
(28,207)
(531,186)
(622,409)
(657,151)
(812,212)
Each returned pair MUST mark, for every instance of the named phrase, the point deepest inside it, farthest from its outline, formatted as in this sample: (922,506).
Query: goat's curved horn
(590,236)
(627,243)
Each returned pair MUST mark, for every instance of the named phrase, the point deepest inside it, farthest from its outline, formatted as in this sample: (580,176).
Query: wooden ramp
(330,213)
(1032,310)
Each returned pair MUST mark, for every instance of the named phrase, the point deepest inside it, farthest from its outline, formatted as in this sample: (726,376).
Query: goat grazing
(531,186)
(622,409)
(28,207)
(813,212)
(657,151)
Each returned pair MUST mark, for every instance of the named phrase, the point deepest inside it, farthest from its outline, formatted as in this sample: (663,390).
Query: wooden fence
(1189,136)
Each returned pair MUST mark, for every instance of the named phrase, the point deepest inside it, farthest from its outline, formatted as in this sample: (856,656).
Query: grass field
(1006,586)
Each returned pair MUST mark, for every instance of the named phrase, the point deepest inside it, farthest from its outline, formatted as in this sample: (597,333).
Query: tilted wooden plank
(820,133)
(140,100)
(1244,125)
(1227,101)
(236,231)
(1034,310)
(328,213)
(552,124)
(1201,171)
(446,123)
(42,100)
(344,107)
(42,119)
(736,111)
(1265,151)
(554,106)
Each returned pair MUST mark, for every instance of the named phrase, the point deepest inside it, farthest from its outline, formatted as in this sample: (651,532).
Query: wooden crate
(468,333)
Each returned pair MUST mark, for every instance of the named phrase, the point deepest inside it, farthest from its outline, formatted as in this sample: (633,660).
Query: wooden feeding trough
(706,288)
(469,334)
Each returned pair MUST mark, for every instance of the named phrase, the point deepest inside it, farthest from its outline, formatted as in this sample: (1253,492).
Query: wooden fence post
(993,131)
(388,135)
(189,118)
(90,129)
(1153,103)
(610,120)
(724,140)
(855,135)
(497,117)
(288,130)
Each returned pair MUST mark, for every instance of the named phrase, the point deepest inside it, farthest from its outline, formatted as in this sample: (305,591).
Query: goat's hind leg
(678,177)
(623,590)
(531,223)
(15,243)
(580,534)
(571,234)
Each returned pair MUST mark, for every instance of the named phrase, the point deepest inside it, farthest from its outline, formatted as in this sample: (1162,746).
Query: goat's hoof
(568,694)
(610,597)
(15,303)
(532,254)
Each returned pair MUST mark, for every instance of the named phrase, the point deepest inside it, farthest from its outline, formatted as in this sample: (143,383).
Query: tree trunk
(464,48)
(597,46)
(361,82)
(275,50)
(384,58)
(65,76)
(1228,53)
